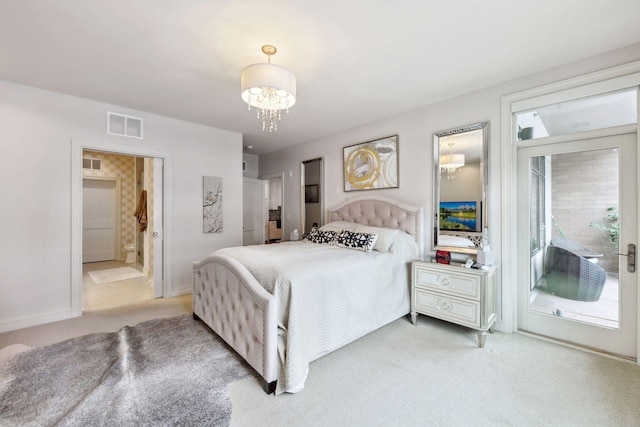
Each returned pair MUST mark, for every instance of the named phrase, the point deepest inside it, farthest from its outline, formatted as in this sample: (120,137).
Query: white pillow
(338,226)
(459,241)
(385,236)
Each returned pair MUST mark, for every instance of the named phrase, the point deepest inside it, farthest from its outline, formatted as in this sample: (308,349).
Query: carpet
(114,274)
(167,371)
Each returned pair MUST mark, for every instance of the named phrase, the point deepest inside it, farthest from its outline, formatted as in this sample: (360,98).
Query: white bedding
(327,296)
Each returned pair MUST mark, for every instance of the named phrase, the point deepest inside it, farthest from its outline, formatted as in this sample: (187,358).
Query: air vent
(91,164)
(122,125)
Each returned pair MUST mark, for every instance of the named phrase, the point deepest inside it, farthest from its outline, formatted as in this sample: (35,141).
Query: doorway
(273,208)
(253,224)
(120,262)
(577,202)
(579,114)
(312,184)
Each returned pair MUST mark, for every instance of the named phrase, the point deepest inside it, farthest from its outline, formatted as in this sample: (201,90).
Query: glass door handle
(631,258)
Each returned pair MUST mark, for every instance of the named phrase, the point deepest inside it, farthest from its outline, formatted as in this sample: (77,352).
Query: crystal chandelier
(269,88)
(450,163)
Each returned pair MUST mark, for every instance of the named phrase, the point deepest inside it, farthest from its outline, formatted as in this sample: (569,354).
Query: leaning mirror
(460,175)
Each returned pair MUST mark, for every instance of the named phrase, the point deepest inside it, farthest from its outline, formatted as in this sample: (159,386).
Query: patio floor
(603,312)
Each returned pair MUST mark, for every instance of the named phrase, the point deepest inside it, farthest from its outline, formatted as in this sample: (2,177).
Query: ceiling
(355,61)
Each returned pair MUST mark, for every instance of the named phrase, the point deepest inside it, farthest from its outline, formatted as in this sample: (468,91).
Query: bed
(282,306)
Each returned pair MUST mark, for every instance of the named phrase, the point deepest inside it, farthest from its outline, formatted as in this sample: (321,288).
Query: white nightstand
(456,294)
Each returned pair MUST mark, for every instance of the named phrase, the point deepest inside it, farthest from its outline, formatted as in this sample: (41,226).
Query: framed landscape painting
(459,216)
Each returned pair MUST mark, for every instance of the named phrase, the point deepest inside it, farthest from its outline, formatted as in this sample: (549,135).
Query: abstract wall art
(371,165)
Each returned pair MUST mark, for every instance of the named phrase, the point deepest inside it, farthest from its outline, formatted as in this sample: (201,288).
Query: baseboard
(179,292)
(26,322)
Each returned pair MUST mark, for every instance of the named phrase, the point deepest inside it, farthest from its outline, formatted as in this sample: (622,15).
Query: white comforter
(327,296)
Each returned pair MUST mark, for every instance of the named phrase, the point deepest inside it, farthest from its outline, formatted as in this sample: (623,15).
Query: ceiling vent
(122,125)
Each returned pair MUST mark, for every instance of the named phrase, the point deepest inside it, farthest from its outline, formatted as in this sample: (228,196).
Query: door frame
(582,333)
(266,178)
(118,238)
(303,205)
(77,148)
(627,75)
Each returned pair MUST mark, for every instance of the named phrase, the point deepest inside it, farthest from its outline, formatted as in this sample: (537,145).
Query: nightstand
(456,294)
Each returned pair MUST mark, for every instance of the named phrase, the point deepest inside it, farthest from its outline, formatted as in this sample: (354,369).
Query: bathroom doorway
(117,229)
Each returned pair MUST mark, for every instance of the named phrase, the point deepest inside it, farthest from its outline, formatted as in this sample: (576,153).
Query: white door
(158,228)
(98,220)
(577,211)
(252,221)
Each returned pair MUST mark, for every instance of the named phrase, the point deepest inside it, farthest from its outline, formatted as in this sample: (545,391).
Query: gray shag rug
(167,371)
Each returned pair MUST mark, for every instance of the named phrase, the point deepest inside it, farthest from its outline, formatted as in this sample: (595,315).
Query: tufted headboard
(381,212)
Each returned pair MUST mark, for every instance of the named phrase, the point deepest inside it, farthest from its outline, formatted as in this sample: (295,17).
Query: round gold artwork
(371,165)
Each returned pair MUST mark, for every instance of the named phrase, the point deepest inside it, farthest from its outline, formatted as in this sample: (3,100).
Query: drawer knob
(444,281)
(444,305)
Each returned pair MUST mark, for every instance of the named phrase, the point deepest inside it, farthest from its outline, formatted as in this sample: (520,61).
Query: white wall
(252,165)
(415,130)
(36,130)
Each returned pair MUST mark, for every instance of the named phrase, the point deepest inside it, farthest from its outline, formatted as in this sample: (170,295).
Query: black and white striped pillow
(322,237)
(354,240)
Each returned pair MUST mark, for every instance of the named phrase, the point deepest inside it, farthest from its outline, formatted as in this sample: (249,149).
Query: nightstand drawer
(452,283)
(457,310)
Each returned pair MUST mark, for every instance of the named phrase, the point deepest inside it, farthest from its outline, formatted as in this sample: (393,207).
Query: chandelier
(269,88)
(450,163)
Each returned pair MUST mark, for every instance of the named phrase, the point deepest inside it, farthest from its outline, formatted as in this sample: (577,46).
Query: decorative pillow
(385,236)
(353,240)
(322,237)
(339,226)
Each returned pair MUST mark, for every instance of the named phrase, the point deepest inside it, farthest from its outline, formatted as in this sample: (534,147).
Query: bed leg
(195,317)
(268,387)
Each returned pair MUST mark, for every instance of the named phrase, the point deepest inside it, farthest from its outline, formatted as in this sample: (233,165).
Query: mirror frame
(436,189)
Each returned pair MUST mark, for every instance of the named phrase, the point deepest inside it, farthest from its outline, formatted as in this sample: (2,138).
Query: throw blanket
(327,296)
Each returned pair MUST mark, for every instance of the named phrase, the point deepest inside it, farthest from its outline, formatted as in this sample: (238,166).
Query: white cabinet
(456,294)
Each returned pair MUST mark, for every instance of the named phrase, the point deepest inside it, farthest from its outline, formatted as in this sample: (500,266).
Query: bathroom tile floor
(113,294)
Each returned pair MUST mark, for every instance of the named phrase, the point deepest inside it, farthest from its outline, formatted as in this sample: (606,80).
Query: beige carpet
(433,374)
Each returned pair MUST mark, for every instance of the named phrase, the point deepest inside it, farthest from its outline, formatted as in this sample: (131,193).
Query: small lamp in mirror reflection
(450,163)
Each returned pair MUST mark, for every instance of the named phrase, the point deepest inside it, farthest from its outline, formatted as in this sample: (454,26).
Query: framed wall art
(212,204)
(371,165)
(311,193)
(459,216)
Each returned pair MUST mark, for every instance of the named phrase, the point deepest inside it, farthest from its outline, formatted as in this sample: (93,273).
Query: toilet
(128,249)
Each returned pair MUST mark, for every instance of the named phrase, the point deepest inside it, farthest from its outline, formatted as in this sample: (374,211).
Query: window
(538,195)
(578,115)
(91,164)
